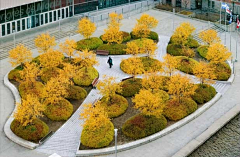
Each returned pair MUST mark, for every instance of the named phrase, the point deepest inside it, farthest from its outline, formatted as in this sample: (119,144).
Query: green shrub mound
(126,37)
(48,73)
(151,64)
(14,75)
(222,71)
(130,87)
(115,106)
(90,44)
(140,126)
(89,74)
(192,43)
(204,93)
(202,51)
(175,110)
(186,64)
(30,88)
(174,50)
(58,111)
(32,132)
(153,35)
(114,49)
(76,92)
(97,138)
(164,95)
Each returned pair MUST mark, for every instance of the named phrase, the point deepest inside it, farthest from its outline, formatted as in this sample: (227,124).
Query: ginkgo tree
(180,87)
(29,109)
(108,87)
(86,27)
(217,53)
(30,72)
(149,47)
(86,59)
(50,59)
(132,48)
(69,48)
(153,81)
(149,103)
(44,42)
(20,55)
(170,64)
(209,36)
(133,66)
(204,72)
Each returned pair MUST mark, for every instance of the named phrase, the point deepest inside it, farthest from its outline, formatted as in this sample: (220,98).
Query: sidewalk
(163,147)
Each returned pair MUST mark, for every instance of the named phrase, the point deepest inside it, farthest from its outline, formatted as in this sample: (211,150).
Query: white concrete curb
(195,143)
(154,136)
(7,129)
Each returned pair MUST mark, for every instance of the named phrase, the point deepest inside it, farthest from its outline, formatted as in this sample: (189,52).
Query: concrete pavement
(166,146)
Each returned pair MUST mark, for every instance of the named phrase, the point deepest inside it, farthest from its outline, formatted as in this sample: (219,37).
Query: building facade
(21,15)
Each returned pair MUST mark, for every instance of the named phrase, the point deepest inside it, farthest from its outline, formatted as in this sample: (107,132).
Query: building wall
(4,4)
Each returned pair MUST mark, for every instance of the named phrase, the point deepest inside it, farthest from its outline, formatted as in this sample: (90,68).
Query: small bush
(186,64)
(130,87)
(89,74)
(48,73)
(204,93)
(97,138)
(140,126)
(174,50)
(35,88)
(222,71)
(175,110)
(202,50)
(184,12)
(153,35)
(192,43)
(116,106)
(76,92)
(32,132)
(14,75)
(151,64)
(90,44)
(61,110)
(114,49)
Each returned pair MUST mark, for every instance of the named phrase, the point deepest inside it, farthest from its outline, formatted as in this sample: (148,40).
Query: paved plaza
(65,141)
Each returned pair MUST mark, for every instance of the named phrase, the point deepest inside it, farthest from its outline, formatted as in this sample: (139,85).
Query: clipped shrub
(151,64)
(48,73)
(32,132)
(126,36)
(30,88)
(14,75)
(97,138)
(174,50)
(91,44)
(114,49)
(76,92)
(222,71)
(204,93)
(140,126)
(61,110)
(116,106)
(192,43)
(153,35)
(89,74)
(175,110)
(186,64)
(202,50)
(130,87)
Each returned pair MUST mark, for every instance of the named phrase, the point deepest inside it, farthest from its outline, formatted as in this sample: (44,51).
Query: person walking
(110,62)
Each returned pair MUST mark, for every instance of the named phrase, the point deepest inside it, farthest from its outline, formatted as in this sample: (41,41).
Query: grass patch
(90,44)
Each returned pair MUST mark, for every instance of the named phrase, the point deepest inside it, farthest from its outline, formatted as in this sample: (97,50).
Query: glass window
(59,14)
(50,17)
(51,4)
(38,7)
(45,5)
(2,16)
(57,4)
(33,22)
(67,12)
(42,19)
(63,15)
(16,13)
(28,23)
(64,3)
(8,28)
(69,2)
(13,26)
(46,17)
(3,30)
(18,25)
(213,4)
(23,24)
(31,9)
(70,11)
(55,15)
(9,14)
(24,11)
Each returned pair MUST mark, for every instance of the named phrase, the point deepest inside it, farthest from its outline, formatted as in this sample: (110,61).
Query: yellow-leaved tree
(153,81)
(50,59)
(68,47)
(132,48)
(86,59)
(180,87)
(20,55)
(29,109)
(141,31)
(217,53)
(170,64)
(44,42)
(149,47)
(70,70)
(133,66)
(86,27)
(108,87)
(115,20)
(56,88)
(149,103)
(204,72)
(209,36)
(182,34)
(30,72)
